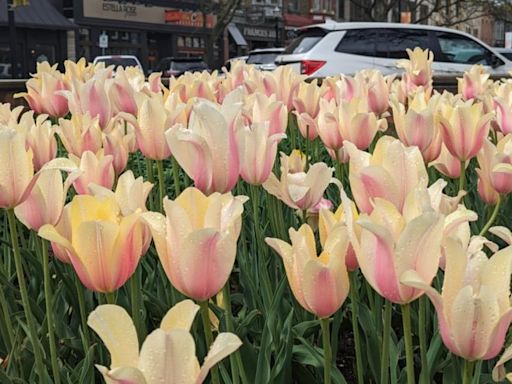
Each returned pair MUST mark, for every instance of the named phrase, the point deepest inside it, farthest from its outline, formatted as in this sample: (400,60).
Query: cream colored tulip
(39,137)
(80,133)
(319,282)
(391,172)
(168,354)
(474,308)
(296,188)
(475,83)
(103,246)
(96,168)
(464,128)
(391,243)
(196,240)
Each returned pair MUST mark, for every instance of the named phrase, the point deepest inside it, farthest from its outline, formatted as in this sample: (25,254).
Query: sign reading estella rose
(114,10)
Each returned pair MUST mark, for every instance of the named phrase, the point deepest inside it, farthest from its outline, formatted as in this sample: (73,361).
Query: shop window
(322,6)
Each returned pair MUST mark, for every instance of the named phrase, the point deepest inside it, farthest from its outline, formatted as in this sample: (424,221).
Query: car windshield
(262,58)
(184,66)
(119,61)
(508,55)
(305,41)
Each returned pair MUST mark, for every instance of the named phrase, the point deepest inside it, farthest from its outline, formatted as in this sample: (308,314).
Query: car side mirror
(495,61)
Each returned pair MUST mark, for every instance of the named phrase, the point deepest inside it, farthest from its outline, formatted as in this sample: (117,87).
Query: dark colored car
(176,66)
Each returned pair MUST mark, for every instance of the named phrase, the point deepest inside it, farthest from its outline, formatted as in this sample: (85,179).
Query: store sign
(259,33)
(103,40)
(188,18)
(115,10)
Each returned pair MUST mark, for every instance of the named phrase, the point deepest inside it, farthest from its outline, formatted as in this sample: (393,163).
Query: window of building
(293,6)
(322,6)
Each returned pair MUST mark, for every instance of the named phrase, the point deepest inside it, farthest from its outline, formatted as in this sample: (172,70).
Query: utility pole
(13,46)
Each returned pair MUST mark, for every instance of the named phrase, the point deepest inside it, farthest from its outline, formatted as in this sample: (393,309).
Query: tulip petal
(499,372)
(169,357)
(158,225)
(122,375)
(210,255)
(180,316)
(377,260)
(503,233)
(95,264)
(224,345)
(115,328)
(419,248)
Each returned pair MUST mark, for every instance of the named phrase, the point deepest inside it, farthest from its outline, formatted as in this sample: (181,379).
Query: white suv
(332,48)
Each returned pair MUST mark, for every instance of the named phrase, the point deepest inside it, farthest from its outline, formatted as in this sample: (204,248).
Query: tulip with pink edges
(415,126)
(469,328)
(196,240)
(418,70)
(39,137)
(474,84)
(103,246)
(257,152)
(80,133)
(296,188)
(319,282)
(168,354)
(44,91)
(391,172)
(96,168)
(208,149)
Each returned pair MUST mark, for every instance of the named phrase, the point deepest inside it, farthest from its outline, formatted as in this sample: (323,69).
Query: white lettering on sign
(128,10)
(265,33)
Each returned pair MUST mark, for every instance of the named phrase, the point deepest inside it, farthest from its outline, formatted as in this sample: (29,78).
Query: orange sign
(405,17)
(189,18)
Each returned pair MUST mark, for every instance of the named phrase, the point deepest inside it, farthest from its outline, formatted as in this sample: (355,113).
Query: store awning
(40,14)
(236,35)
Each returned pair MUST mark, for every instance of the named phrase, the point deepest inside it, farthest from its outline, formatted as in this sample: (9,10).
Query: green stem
(176,176)
(24,295)
(151,179)
(462,177)
(354,300)
(237,370)
(8,322)
(384,363)
(110,297)
(409,358)
(306,149)
(422,333)
(468,372)
(135,302)
(208,336)
(492,218)
(83,311)
(326,340)
(49,311)
(161,184)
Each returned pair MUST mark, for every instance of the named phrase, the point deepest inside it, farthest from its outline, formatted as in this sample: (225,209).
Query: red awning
(293,20)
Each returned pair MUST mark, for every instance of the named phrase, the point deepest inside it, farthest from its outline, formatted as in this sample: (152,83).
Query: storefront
(40,36)
(148,32)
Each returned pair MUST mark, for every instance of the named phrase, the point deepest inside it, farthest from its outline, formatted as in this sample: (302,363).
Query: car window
(183,66)
(357,42)
(383,42)
(119,61)
(508,55)
(262,58)
(392,43)
(306,40)
(462,50)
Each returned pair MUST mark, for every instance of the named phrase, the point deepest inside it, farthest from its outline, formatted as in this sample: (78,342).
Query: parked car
(176,66)
(264,58)
(119,60)
(332,48)
(228,63)
(507,52)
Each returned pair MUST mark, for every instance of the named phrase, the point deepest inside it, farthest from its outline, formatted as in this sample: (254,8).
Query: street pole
(12,39)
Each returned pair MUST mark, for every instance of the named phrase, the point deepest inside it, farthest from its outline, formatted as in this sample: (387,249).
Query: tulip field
(251,227)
